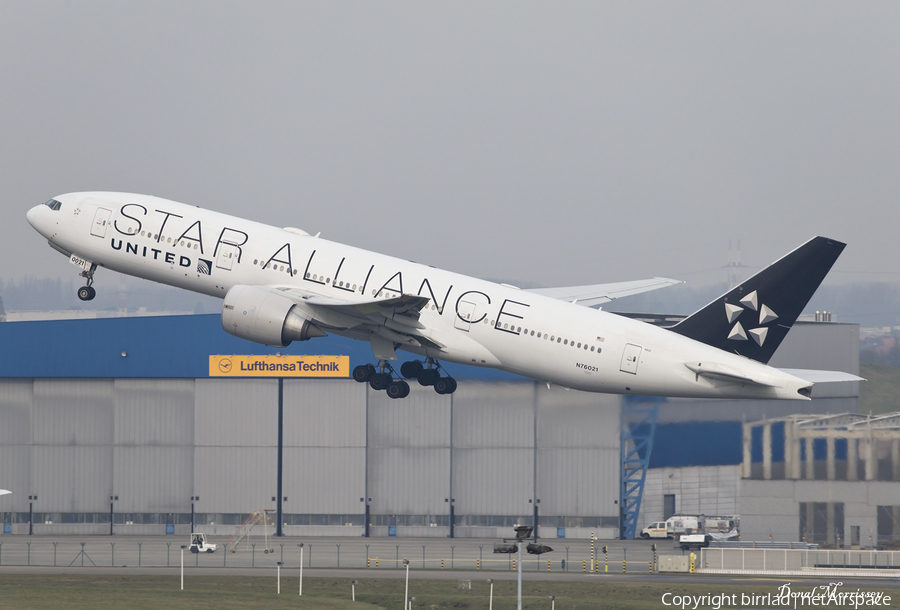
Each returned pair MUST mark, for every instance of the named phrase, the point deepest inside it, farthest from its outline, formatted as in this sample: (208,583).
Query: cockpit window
(53,204)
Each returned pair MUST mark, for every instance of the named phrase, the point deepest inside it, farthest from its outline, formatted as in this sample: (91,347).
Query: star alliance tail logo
(766,315)
(204,267)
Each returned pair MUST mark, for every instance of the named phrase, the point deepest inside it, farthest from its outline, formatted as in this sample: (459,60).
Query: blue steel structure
(638,423)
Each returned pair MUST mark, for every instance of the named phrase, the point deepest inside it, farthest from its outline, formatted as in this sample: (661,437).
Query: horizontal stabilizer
(814,376)
(597,294)
(753,318)
(3,492)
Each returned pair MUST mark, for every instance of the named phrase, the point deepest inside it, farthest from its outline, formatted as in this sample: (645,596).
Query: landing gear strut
(384,380)
(87,293)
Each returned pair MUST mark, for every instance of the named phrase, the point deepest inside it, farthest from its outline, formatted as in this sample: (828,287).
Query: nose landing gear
(87,293)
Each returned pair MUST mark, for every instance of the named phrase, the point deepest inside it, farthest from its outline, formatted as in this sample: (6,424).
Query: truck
(696,531)
(200,545)
(723,527)
(676,525)
(655,530)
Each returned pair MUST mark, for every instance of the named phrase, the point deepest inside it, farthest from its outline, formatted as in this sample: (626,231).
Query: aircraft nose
(32,216)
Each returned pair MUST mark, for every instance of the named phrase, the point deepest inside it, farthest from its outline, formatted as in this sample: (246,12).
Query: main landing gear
(384,380)
(426,374)
(87,293)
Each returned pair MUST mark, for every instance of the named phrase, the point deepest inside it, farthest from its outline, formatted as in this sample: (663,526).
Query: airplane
(280,285)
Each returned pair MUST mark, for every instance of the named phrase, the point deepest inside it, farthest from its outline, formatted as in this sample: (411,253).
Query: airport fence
(796,560)
(372,554)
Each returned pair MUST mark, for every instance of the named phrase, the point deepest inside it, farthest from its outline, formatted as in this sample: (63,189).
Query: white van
(655,530)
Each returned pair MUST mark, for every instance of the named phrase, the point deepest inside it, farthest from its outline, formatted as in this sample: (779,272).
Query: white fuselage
(477,322)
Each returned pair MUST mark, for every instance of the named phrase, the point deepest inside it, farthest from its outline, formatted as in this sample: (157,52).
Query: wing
(384,322)
(597,294)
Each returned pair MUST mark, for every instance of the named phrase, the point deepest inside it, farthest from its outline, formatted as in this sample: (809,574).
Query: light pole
(301,567)
(552,602)
(411,600)
(523,532)
(519,576)
(353,584)
(182,567)
(279,577)
(491,598)
(406,592)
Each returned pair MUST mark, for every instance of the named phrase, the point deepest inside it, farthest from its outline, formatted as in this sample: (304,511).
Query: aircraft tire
(363,373)
(411,369)
(453,385)
(380,381)
(442,385)
(397,389)
(86,293)
(428,377)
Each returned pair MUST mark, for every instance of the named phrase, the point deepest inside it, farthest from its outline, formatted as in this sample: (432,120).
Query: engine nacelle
(262,315)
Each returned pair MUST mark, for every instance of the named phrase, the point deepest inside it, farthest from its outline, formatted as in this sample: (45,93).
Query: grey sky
(548,143)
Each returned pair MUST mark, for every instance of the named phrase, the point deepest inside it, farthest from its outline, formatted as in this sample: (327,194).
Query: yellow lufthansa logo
(279,366)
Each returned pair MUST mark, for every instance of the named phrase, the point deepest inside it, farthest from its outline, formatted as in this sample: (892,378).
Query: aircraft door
(225,258)
(101,221)
(465,314)
(630,358)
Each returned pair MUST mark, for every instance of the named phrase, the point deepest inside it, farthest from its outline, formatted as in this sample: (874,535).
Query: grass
(100,592)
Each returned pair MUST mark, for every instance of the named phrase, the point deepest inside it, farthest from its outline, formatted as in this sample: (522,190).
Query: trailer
(687,542)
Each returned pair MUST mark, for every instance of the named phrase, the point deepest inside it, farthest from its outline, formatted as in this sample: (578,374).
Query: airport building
(119,425)
(833,477)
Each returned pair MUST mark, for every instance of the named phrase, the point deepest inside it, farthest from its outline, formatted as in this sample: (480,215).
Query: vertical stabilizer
(754,317)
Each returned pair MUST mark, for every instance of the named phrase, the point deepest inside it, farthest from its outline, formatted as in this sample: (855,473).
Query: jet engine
(262,315)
